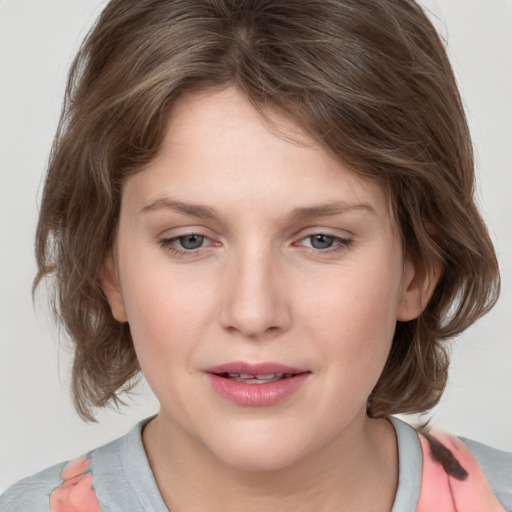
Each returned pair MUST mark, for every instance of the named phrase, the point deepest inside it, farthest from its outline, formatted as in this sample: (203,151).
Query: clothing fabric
(117,478)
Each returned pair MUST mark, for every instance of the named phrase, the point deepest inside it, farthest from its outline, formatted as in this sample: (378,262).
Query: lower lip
(256,395)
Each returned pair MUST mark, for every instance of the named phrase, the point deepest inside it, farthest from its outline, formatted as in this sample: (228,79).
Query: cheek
(354,318)
(155,296)
(167,313)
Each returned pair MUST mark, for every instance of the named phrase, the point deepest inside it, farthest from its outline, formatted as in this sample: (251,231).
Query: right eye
(186,245)
(190,242)
(321,241)
(325,243)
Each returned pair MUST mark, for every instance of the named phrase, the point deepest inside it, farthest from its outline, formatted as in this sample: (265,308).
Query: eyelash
(169,245)
(339,244)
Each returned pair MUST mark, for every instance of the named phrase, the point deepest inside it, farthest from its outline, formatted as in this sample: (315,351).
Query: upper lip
(265,368)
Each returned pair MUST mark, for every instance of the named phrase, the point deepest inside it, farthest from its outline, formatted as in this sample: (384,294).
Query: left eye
(321,241)
(185,244)
(324,243)
(190,242)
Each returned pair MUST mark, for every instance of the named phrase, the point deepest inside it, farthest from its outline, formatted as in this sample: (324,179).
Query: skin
(260,290)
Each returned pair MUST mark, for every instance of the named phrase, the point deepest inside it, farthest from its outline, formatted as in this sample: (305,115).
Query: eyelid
(340,242)
(170,243)
(323,230)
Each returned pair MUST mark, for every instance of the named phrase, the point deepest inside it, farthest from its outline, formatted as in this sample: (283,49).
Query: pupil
(191,241)
(322,241)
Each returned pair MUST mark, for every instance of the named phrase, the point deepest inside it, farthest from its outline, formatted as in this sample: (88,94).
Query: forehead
(219,149)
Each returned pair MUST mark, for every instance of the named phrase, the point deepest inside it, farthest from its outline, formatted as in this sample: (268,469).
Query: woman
(268,209)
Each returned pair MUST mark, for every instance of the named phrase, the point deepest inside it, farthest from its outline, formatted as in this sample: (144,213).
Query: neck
(357,471)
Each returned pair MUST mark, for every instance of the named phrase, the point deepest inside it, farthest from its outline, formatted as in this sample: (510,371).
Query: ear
(417,287)
(112,290)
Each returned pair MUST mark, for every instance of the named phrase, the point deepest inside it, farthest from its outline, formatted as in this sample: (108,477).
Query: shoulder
(66,486)
(70,485)
(497,468)
(32,493)
(115,476)
(472,475)
(436,466)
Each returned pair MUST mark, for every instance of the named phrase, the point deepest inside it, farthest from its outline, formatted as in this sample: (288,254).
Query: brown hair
(369,79)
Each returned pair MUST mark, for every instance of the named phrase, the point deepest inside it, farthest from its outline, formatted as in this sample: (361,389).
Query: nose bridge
(255,303)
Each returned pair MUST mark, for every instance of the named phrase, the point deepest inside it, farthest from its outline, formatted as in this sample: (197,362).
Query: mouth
(255,373)
(259,384)
(247,378)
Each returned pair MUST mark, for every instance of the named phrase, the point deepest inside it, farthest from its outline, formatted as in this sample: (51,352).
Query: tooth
(268,376)
(246,376)
(233,375)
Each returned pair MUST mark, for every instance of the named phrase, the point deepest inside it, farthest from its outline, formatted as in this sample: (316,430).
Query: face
(262,281)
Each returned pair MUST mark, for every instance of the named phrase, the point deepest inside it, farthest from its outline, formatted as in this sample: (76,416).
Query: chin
(261,451)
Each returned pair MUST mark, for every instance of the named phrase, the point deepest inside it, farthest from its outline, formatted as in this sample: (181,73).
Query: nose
(255,303)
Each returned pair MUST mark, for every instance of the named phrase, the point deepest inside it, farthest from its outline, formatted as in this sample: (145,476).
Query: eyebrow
(299,213)
(196,210)
(323,210)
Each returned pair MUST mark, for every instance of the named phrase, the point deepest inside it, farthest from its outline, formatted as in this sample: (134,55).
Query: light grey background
(37,42)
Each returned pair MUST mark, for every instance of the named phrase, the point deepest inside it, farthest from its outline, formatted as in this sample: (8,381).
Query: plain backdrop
(38,426)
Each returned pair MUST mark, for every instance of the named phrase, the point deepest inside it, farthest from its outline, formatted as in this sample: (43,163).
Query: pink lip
(254,368)
(256,395)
